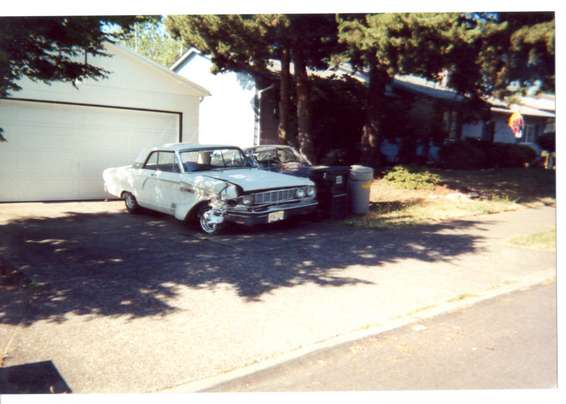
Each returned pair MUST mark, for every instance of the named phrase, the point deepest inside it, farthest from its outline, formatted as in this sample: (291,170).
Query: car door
(159,178)
(167,182)
(146,182)
(192,162)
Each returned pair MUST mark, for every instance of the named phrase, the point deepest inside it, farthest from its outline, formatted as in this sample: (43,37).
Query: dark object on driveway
(331,181)
(32,378)
(332,190)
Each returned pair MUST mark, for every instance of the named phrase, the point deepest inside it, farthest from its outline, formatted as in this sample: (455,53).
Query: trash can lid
(361,172)
(319,168)
(333,170)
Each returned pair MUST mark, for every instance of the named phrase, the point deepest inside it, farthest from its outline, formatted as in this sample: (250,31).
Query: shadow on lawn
(524,185)
(115,264)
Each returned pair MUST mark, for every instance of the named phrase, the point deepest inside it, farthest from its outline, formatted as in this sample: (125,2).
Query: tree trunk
(283,131)
(306,144)
(372,130)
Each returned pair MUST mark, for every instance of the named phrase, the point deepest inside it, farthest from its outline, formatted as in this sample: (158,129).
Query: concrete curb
(375,329)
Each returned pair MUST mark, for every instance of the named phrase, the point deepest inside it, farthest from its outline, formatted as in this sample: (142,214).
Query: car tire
(204,225)
(131,202)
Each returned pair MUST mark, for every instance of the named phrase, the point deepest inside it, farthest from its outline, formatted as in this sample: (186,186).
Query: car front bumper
(250,218)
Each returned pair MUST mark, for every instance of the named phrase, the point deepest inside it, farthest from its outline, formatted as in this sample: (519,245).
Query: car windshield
(280,154)
(214,159)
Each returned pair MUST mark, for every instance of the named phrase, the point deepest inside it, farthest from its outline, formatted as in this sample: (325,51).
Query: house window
(450,124)
(530,133)
(447,124)
(550,126)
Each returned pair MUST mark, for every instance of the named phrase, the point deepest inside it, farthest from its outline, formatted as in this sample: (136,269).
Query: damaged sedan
(210,185)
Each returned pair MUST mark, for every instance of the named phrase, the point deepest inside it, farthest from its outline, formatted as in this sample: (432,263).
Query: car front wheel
(131,202)
(206,221)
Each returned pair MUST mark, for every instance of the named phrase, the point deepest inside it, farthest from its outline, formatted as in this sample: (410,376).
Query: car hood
(253,179)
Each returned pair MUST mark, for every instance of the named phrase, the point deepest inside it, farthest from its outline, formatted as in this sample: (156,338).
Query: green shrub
(547,141)
(476,154)
(517,155)
(494,153)
(406,178)
(462,155)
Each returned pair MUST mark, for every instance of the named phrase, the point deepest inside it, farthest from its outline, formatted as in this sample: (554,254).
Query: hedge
(476,154)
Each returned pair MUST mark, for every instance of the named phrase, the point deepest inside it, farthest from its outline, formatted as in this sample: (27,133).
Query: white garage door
(58,152)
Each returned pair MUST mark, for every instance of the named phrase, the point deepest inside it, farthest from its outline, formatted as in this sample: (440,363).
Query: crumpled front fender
(205,189)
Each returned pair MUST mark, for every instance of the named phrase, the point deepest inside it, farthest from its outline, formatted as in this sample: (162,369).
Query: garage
(61,150)
(60,138)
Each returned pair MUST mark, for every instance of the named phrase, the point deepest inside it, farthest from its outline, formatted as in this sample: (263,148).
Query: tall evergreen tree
(516,52)
(388,44)
(242,43)
(249,42)
(313,40)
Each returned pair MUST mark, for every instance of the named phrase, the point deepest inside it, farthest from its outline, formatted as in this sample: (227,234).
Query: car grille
(278,196)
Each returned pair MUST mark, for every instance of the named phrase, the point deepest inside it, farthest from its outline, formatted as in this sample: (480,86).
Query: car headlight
(229,192)
(300,193)
(246,199)
(311,191)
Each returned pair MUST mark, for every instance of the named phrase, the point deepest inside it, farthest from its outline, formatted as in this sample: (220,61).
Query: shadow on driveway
(32,378)
(115,264)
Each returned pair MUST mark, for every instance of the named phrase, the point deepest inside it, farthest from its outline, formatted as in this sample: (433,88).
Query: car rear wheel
(206,222)
(131,202)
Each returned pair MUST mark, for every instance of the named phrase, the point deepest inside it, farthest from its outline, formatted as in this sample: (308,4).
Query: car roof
(179,147)
(191,146)
(270,146)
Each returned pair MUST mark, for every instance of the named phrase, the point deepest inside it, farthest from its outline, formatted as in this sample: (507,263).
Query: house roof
(184,58)
(542,105)
(546,102)
(523,110)
(199,90)
(426,87)
(501,106)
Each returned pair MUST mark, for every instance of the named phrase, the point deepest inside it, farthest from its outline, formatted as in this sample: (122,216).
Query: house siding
(502,132)
(227,116)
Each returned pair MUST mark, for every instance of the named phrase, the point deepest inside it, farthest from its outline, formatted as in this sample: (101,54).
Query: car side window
(151,162)
(190,161)
(167,162)
(286,156)
(264,155)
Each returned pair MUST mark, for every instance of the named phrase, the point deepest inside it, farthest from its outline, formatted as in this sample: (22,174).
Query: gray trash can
(361,178)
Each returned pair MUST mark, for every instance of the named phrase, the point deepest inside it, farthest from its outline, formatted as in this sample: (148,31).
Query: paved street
(141,303)
(506,342)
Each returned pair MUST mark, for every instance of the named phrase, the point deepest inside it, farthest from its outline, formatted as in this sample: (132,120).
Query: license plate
(275,216)
(339,179)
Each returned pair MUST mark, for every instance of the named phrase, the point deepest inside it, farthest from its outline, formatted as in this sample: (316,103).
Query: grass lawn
(460,193)
(537,241)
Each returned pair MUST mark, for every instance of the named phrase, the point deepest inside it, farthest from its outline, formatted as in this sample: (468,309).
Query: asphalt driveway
(137,303)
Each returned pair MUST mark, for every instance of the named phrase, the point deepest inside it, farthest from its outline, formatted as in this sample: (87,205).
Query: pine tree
(241,43)
(313,41)
(249,42)
(517,52)
(388,44)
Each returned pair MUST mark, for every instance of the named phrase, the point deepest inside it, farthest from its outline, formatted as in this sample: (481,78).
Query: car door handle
(152,174)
